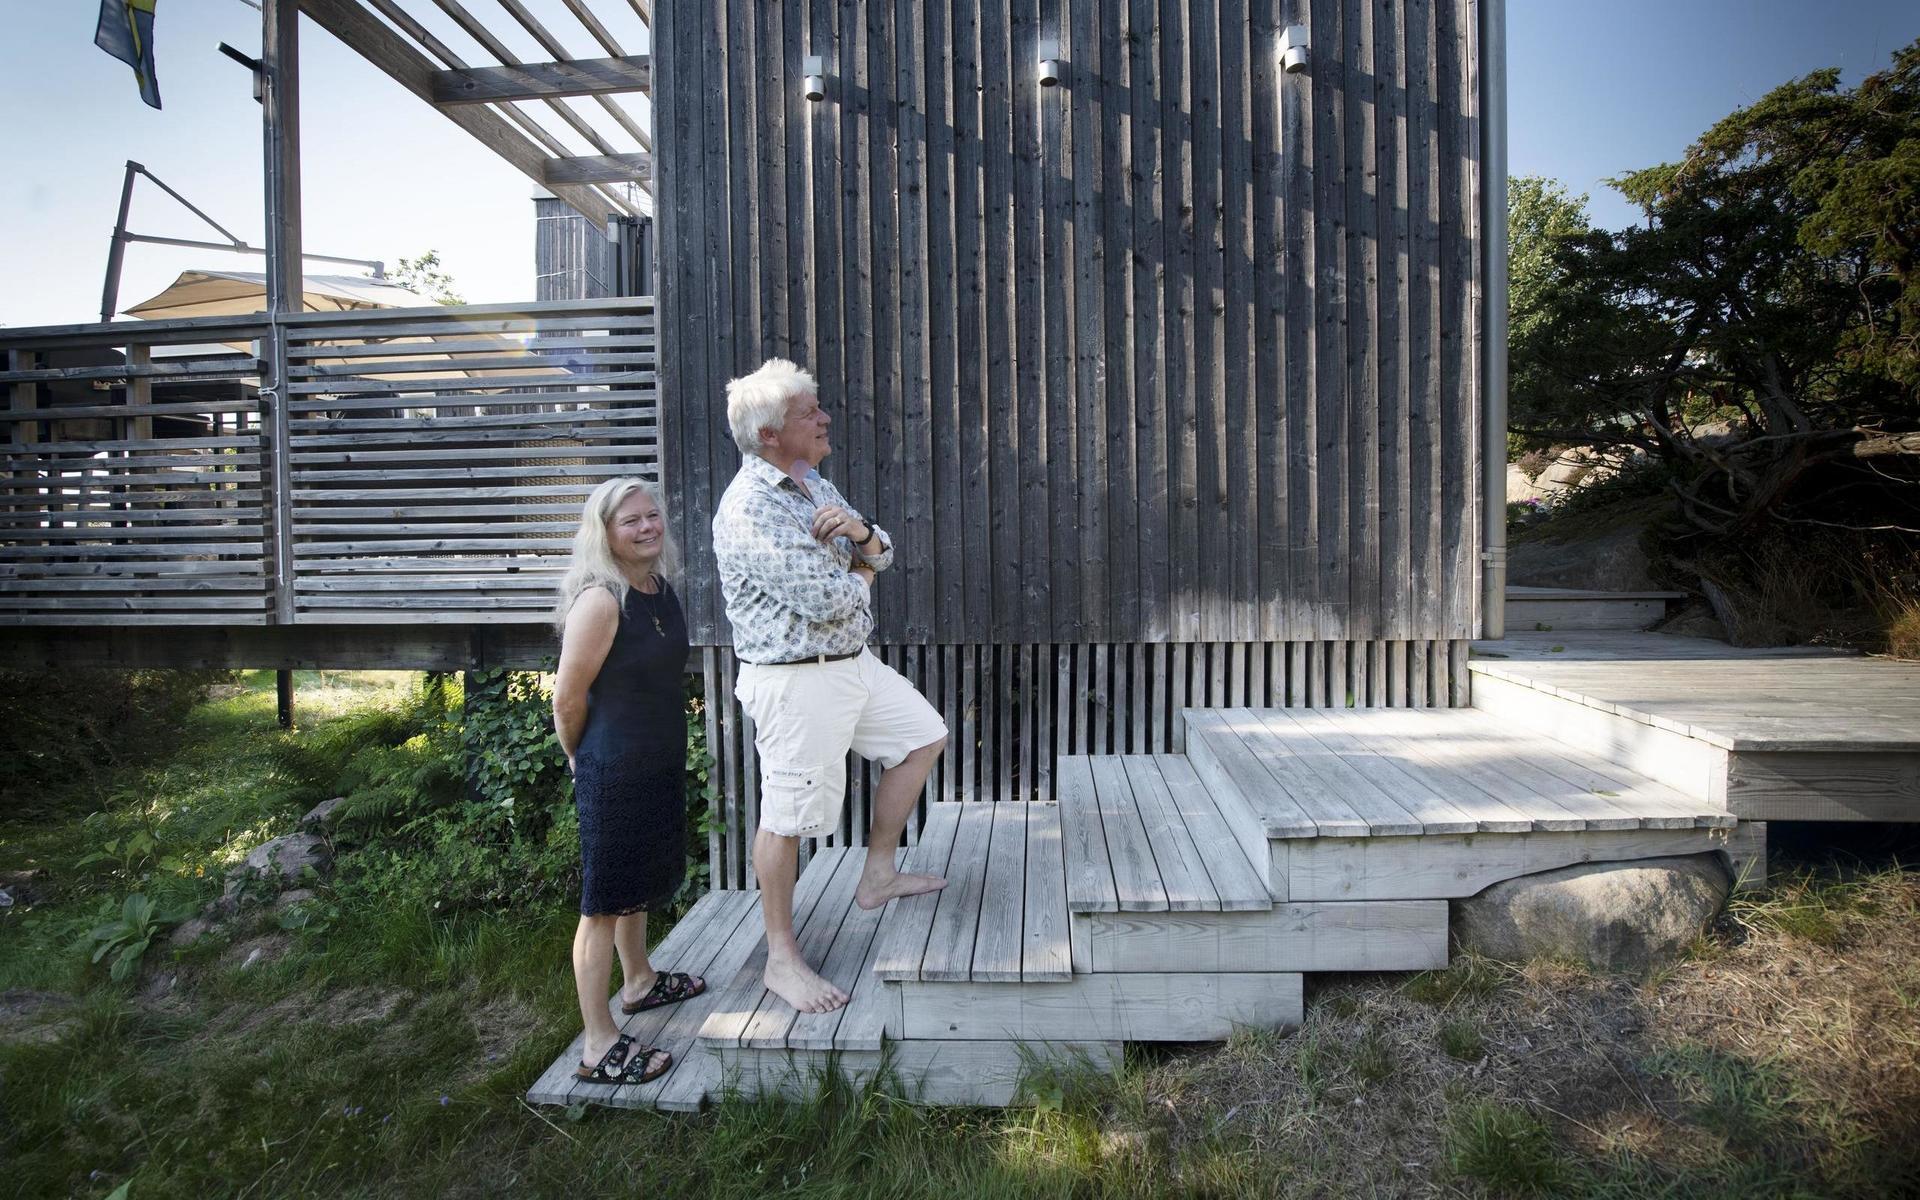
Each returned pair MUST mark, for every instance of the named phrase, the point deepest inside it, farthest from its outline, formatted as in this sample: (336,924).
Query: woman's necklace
(646,599)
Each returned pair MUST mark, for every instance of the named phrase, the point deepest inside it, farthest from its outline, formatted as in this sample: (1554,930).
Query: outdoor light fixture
(1293,49)
(816,73)
(1049,64)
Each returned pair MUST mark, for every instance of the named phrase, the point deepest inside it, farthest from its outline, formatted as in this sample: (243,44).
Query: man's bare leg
(880,880)
(775,861)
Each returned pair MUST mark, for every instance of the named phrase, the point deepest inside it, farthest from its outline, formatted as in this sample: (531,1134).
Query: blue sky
(1595,90)
(1599,89)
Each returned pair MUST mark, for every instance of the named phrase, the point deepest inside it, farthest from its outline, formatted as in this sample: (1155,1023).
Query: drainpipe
(1493,351)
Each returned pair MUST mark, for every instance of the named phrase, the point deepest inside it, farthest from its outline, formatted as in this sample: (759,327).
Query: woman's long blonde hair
(592,564)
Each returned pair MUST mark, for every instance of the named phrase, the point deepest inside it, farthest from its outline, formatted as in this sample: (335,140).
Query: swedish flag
(126,32)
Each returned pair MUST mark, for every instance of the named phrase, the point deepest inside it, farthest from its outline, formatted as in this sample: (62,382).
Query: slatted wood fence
(428,466)
(1013,710)
(440,459)
(135,481)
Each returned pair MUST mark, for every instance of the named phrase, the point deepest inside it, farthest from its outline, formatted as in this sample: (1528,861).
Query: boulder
(320,818)
(1612,561)
(1695,620)
(295,896)
(1620,916)
(188,932)
(282,861)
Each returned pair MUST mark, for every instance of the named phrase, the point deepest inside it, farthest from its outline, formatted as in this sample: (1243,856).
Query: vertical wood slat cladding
(1013,710)
(1184,349)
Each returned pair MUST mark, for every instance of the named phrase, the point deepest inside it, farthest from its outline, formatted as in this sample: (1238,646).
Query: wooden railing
(135,478)
(428,464)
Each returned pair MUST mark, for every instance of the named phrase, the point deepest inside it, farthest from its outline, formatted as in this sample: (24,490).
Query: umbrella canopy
(238,293)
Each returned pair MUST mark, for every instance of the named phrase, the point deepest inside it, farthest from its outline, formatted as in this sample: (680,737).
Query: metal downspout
(1493,382)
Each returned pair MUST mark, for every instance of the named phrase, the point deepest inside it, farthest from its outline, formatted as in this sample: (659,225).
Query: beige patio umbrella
(238,293)
(201,293)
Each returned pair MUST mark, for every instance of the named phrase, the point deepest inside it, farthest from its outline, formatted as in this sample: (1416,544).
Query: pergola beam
(363,33)
(543,81)
(600,168)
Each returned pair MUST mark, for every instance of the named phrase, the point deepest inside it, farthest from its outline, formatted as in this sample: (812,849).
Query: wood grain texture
(1121,1007)
(1117,323)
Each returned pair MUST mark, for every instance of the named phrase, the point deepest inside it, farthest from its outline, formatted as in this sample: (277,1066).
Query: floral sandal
(630,1065)
(670,987)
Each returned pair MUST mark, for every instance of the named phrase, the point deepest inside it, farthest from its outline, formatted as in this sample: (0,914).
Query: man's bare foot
(877,890)
(799,985)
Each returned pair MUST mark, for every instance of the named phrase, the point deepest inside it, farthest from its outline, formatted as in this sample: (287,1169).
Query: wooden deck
(1794,733)
(1157,898)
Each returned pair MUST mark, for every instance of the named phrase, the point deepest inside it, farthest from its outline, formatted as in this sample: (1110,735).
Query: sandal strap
(604,1071)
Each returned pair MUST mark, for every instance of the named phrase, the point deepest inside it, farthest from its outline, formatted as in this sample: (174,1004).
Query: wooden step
(1002,917)
(1390,935)
(1561,609)
(712,940)
(976,1073)
(1238,780)
(1784,733)
(1395,772)
(1132,1007)
(1140,836)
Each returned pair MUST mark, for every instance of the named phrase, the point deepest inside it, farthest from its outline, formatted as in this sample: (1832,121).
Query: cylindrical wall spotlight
(1293,49)
(1050,64)
(815,87)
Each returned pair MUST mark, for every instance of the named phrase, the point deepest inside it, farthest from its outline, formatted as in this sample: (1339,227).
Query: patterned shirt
(789,595)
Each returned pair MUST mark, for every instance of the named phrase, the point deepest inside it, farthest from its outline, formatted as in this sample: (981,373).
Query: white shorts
(808,715)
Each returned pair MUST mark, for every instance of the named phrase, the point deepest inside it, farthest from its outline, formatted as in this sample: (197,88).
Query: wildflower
(445,1100)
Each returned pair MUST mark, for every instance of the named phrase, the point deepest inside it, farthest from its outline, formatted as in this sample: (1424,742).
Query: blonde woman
(618,712)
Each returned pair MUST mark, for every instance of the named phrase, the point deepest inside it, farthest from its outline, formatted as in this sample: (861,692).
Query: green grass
(1506,1148)
(1468,976)
(1460,1040)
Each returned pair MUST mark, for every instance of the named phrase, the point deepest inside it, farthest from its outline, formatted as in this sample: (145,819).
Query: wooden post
(23,398)
(283,689)
(280,121)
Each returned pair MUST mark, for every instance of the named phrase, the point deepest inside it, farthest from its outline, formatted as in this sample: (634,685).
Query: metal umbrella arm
(117,251)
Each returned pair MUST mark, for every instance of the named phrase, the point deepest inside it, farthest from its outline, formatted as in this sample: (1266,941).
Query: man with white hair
(796,567)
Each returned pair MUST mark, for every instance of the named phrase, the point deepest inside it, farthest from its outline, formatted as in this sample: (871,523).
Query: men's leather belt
(811,658)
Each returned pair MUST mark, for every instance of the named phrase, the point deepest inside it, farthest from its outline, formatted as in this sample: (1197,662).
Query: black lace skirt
(633,833)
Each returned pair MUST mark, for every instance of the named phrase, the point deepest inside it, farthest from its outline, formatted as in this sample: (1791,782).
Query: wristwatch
(873,531)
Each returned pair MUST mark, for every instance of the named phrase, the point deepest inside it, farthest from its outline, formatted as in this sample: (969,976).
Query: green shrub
(61,730)
(124,939)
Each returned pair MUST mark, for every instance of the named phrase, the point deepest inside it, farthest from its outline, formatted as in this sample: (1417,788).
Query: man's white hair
(593,564)
(759,401)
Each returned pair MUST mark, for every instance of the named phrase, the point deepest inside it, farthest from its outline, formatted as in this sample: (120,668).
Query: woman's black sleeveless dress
(630,767)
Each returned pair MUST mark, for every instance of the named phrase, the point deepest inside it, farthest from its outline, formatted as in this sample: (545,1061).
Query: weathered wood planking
(1146,1006)
(1079,341)
(1448,866)
(928,1072)
(1395,935)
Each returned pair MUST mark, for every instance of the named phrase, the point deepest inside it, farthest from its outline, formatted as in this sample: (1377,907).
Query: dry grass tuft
(1783,1058)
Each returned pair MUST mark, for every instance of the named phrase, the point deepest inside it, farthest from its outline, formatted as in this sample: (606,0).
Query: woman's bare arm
(591,624)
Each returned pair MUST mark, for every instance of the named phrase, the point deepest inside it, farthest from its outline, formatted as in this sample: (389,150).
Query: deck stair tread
(1236,881)
(740,996)
(1523,592)
(713,938)
(1235,776)
(1403,772)
(1786,699)
(1142,835)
